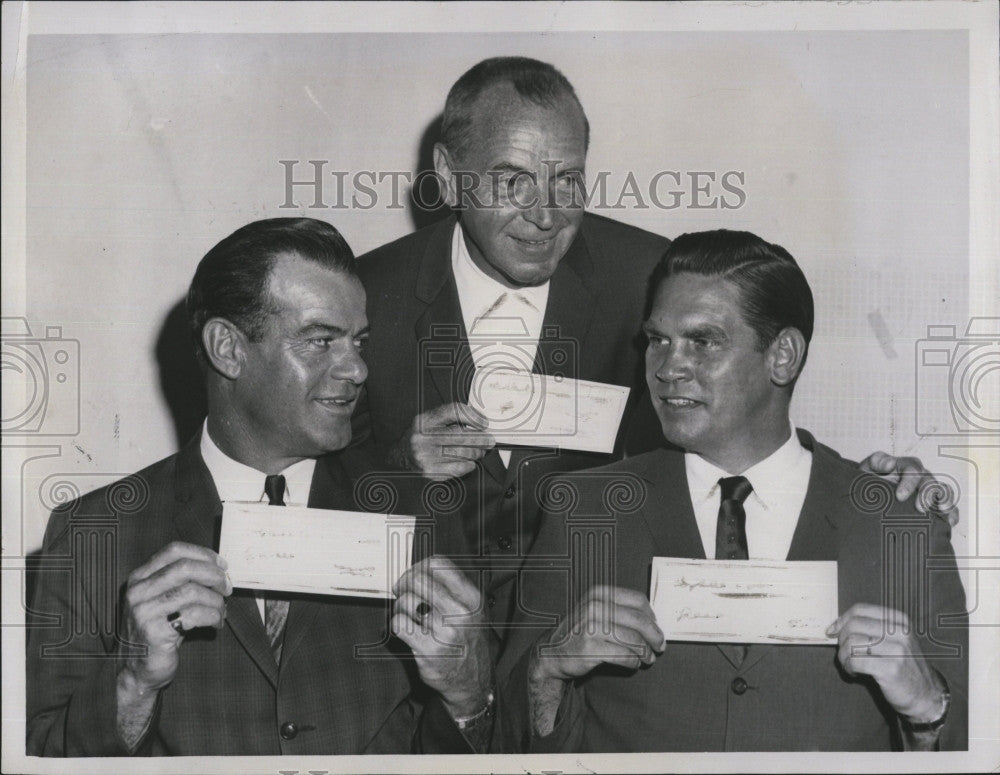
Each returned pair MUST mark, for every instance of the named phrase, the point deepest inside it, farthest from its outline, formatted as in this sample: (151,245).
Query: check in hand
(609,625)
(181,587)
(909,476)
(445,442)
(439,614)
(877,641)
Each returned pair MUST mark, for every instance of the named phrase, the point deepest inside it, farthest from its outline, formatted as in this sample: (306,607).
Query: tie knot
(735,488)
(274,487)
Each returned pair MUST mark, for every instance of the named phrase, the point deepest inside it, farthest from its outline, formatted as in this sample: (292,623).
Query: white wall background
(144,150)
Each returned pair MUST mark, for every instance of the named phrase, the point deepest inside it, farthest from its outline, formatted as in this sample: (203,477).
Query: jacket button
(491,601)
(739,686)
(289,730)
(510,491)
(504,542)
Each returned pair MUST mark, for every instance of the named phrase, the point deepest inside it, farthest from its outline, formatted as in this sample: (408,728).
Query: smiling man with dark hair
(183,664)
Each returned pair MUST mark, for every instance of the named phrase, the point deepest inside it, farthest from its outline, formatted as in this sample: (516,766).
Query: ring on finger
(174,620)
(423,609)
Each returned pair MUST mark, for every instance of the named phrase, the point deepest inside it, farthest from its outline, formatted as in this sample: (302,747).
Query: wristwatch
(467,722)
(931,726)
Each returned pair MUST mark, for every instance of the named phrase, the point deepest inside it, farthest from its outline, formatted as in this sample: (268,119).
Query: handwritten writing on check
(317,551)
(746,601)
(545,411)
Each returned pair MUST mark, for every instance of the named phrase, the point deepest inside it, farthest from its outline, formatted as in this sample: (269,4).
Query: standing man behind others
(185,665)
(520,262)
(728,335)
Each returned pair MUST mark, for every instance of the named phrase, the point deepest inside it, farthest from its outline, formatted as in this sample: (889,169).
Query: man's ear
(445,169)
(225,347)
(786,354)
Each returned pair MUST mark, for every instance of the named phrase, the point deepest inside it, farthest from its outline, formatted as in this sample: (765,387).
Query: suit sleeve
(947,634)
(548,594)
(428,727)
(71,667)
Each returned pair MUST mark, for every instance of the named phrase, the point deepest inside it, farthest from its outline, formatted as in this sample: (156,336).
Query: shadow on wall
(180,376)
(426,202)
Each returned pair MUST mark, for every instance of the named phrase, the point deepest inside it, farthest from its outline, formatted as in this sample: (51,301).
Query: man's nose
(674,365)
(351,367)
(540,213)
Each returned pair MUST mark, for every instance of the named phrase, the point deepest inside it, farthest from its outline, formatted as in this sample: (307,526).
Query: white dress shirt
(237,482)
(779,490)
(503,323)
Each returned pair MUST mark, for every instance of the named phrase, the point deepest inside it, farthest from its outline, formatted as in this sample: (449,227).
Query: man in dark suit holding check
(140,646)
(728,335)
(520,262)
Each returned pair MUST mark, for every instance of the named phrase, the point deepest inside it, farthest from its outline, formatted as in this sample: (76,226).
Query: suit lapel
(826,504)
(668,513)
(440,331)
(816,535)
(569,309)
(441,321)
(198,518)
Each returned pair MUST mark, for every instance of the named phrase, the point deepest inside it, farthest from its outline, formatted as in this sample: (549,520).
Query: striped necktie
(275,608)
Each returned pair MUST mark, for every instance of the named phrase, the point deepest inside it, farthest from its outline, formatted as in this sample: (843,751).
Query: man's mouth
(338,402)
(680,403)
(533,243)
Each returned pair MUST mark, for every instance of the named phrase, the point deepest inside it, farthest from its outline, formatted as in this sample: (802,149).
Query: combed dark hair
(774,293)
(537,82)
(231,281)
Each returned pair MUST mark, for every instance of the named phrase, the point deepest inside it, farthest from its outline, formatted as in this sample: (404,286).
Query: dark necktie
(731,529)
(275,609)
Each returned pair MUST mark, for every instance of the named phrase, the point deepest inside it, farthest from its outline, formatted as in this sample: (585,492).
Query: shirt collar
(767,477)
(235,481)
(478,289)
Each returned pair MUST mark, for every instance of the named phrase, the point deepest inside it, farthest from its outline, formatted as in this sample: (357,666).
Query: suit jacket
(341,681)
(419,359)
(706,697)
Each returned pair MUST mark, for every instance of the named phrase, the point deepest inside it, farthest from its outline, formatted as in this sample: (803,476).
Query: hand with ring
(180,588)
(878,641)
(438,614)
(175,622)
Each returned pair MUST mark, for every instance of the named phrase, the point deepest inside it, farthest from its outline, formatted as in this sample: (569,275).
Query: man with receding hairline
(521,255)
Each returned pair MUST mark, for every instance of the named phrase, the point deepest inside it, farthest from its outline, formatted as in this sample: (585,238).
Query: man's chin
(678,436)
(333,441)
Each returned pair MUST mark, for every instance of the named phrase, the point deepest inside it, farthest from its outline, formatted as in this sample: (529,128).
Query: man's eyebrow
(330,330)
(506,166)
(704,331)
(650,330)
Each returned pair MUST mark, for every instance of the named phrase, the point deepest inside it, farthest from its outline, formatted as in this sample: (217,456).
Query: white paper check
(543,411)
(744,601)
(314,550)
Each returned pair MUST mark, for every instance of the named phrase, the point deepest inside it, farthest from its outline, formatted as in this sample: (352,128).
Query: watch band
(466,722)
(931,726)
